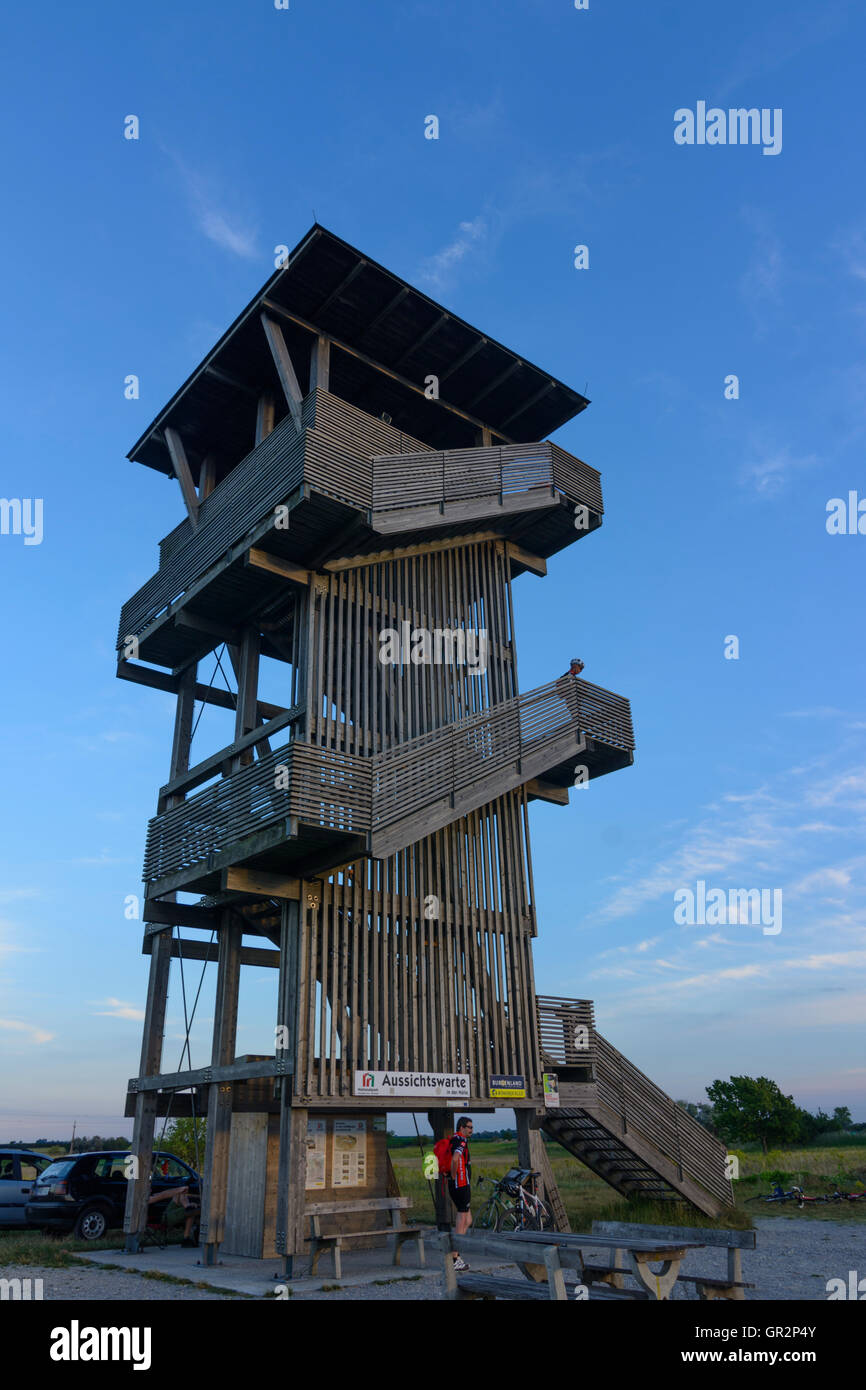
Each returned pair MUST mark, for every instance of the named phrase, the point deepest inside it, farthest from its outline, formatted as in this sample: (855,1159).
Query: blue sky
(556,129)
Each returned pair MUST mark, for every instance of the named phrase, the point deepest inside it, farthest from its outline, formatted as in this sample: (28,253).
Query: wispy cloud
(775,45)
(34,1034)
(768,469)
(228,230)
(438,270)
(119,1009)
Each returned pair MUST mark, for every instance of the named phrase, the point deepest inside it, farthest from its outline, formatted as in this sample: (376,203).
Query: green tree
(747,1108)
(841,1117)
(699,1110)
(184,1137)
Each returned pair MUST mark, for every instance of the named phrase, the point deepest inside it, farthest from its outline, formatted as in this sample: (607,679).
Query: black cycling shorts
(460,1196)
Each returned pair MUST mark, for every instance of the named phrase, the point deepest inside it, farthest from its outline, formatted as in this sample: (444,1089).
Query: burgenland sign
(412,1083)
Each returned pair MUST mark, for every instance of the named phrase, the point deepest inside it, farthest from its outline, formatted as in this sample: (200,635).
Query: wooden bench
(732,1241)
(396,1232)
(545,1281)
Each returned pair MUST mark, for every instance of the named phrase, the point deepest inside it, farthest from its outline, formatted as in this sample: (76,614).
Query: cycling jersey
(460,1151)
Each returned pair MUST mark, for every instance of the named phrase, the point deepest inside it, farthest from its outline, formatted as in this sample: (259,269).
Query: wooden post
(285,369)
(532,1154)
(182,472)
(264,416)
(138,1191)
(207,478)
(292,1163)
(246,663)
(138,1188)
(320,364)
(219,1112)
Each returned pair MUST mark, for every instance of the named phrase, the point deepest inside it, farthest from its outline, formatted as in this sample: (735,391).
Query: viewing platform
(348,484)
(323,805)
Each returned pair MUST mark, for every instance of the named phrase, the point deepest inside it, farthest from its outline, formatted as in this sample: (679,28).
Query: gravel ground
(793,1261)
(97,1284)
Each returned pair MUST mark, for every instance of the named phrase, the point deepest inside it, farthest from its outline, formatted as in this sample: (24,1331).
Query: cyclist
(460,1182)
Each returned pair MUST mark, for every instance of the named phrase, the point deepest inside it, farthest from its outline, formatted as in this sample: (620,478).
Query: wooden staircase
(619,1123)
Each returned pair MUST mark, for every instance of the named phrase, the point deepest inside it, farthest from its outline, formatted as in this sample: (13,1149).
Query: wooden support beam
(340,287)
(285,369)
(169,914)
(219,1112)
(405,551)
(535,563)
(207,478)
(230,1072)
(273,564)
(548,386)
(419,342)
(182,472)
(264,416)
(497,381)
(210,766)
(248,684)
(186,949)
(292,1162)
(138,1189)
(221,631)
(545,791)
(264,885)
(278,311)
(320,364)
(383,313)
(209,695)
(219,375)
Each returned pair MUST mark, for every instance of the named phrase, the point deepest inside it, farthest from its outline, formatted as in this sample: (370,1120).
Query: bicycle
(779,1195)
(514,1205)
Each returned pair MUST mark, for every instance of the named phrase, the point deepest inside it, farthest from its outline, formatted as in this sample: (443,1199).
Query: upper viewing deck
(343,414)
(350,485)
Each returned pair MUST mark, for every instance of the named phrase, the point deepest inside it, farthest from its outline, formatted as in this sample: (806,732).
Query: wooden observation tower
(364,476)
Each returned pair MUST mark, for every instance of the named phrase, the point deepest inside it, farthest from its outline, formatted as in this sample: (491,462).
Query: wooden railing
(333,790)
(566,1031)
(332,453)
(321,787)
(341,453)
(645,1108)
(449,760)
(452,475)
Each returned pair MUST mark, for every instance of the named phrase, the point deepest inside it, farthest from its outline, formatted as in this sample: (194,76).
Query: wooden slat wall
(417,479)
(333,453)
(360,704)
(557,1021)
(387,987)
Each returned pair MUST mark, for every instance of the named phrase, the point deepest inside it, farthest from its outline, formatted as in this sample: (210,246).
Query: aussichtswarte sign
(411,1083)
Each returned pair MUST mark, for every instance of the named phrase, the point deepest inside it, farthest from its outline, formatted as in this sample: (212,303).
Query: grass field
(587,1198)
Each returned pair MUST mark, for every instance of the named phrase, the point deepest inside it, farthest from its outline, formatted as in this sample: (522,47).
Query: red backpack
(442,1150)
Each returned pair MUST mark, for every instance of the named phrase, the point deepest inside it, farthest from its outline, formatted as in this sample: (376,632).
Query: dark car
(19,1169)
(86,1193)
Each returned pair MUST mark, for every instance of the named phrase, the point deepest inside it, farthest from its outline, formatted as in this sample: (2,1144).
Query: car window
(60,1169)
(111,1166)
(165,1167)
(7,1166)
(32,1167)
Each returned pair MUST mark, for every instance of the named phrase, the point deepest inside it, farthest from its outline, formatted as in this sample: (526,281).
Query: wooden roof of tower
(386,338)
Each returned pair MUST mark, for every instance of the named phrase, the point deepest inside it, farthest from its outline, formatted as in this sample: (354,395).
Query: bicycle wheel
(545,1218)
(508,1220)
(487,1217)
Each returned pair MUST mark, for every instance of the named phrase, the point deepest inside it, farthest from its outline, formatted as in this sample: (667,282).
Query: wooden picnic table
(639,1253)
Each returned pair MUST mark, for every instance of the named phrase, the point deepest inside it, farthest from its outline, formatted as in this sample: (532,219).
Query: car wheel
(92,1224)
